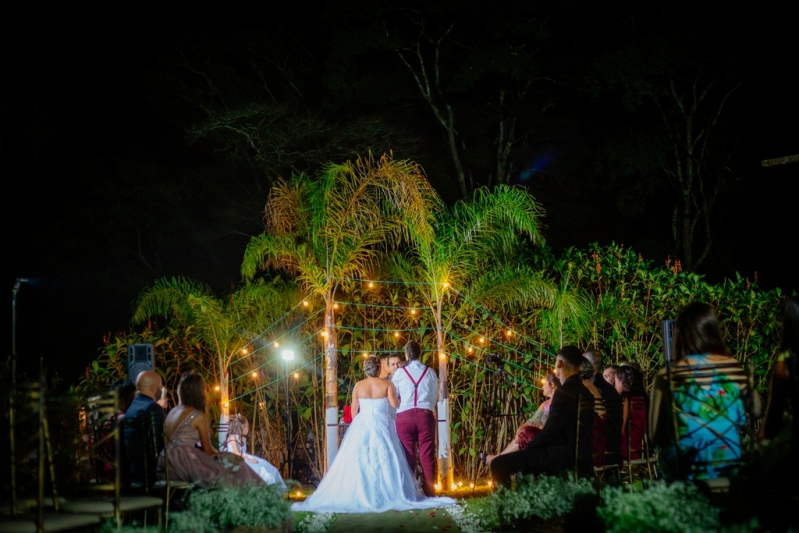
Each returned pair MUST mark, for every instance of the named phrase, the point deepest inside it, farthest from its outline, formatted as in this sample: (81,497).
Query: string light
(509,333)
(438,486)
(296,375)
(365,355)
(305,303)
(324,333)
(396,333)
(442,355)
(216,388)
(371,284)
(413,311)
(446,285)
(299,494)
(277,344)
(482,340)
(254,374)
(470,349)
(227,404)
(471,485)
(543,380)
(244,351)
(335,306)
(490,483)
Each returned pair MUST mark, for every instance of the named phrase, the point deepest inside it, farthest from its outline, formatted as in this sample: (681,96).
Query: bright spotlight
(287,355)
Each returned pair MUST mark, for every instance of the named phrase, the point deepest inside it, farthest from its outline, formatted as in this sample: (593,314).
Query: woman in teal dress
(710,389)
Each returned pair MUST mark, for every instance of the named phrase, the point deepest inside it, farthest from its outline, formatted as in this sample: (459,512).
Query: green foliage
(224,507)
(675,508)
(543,497)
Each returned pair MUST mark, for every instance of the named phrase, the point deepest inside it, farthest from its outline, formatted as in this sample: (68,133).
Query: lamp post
(17,284)
(288,355)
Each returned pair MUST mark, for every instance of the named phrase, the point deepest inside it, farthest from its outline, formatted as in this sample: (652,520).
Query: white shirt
(426,392)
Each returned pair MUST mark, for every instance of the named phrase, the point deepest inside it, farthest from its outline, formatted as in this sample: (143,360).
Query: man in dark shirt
(144,429)
(613,406)
(552,450)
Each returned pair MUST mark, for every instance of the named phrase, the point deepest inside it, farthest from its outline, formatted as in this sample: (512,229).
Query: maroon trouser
(418,426)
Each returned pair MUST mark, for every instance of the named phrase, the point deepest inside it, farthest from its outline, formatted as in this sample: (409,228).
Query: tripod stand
(492,412)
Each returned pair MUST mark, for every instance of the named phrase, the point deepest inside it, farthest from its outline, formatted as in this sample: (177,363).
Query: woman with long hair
(530,429)
(708,401)
(629,383)
(235,443)
(186,425)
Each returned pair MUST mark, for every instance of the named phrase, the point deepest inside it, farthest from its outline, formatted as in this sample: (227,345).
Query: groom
(417,387)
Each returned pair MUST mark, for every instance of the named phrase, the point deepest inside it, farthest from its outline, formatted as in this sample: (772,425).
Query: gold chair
(25,398)
(644,462)
(167,486)
(103,428)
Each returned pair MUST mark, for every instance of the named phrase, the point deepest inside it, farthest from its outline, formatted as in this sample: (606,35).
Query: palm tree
(330,230)
(471,255)
(224,326)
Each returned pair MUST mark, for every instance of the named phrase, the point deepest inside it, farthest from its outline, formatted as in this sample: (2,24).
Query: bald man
(143,417)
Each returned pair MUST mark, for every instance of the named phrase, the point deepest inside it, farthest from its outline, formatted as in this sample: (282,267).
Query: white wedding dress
(370,473)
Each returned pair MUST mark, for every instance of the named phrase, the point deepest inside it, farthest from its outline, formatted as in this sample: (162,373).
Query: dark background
(106,191)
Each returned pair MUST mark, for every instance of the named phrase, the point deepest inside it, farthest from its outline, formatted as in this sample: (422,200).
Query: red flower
(347,414)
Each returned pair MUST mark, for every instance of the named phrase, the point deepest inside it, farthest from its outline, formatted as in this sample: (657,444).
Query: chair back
(104,438)
(585,412)
(29,399)
(712,402)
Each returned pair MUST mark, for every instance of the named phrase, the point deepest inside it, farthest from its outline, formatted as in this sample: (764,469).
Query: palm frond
(167,298)
(510,288)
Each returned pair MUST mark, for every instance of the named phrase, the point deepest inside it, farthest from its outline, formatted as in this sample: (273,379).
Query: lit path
(430,520)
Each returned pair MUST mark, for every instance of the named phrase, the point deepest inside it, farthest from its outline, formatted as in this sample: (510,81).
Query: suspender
(416,384)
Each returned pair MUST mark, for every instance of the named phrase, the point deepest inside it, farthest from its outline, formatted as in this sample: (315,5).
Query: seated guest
(126,391)
(710,407)
(142,418)
(774,482)
(529,429)
(552,450)
(630,385)
(605,381)
(236,444)
(186,425)
(600,414)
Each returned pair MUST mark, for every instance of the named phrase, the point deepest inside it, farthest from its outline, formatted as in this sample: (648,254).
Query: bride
(370,473)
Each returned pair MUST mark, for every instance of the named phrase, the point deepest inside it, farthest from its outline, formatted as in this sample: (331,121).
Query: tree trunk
(331,384)
(224,405)
(445,466)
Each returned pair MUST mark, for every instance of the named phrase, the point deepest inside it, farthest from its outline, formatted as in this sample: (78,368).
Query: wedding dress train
(370,473)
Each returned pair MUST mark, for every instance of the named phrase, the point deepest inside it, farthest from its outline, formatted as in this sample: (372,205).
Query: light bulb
(482,340)
(277,344)
(469,349)
(396,333)
(471,485)
(438,486)
(413,311)
(335,306)
(324,333)
(490,483)
(371,284)
(244,351)
(446,285)
(255,374)
(216,388)
(296,375)
(509,333)
(442,355)
(305,303)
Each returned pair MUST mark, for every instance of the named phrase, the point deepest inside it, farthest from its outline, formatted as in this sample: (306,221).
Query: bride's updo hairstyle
(372,367)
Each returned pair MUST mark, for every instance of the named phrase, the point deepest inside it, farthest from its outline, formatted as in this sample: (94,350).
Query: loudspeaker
(667,327)
(140,358)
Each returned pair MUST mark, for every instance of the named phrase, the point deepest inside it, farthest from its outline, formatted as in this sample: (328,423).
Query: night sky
(106,192)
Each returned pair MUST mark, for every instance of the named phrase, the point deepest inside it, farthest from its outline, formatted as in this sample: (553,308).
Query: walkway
(428,520)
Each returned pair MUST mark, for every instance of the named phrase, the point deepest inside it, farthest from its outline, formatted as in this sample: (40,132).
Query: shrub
(224,507)
(543,497)
(675,508)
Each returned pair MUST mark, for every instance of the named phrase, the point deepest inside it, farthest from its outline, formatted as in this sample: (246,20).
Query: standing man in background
(417,387)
